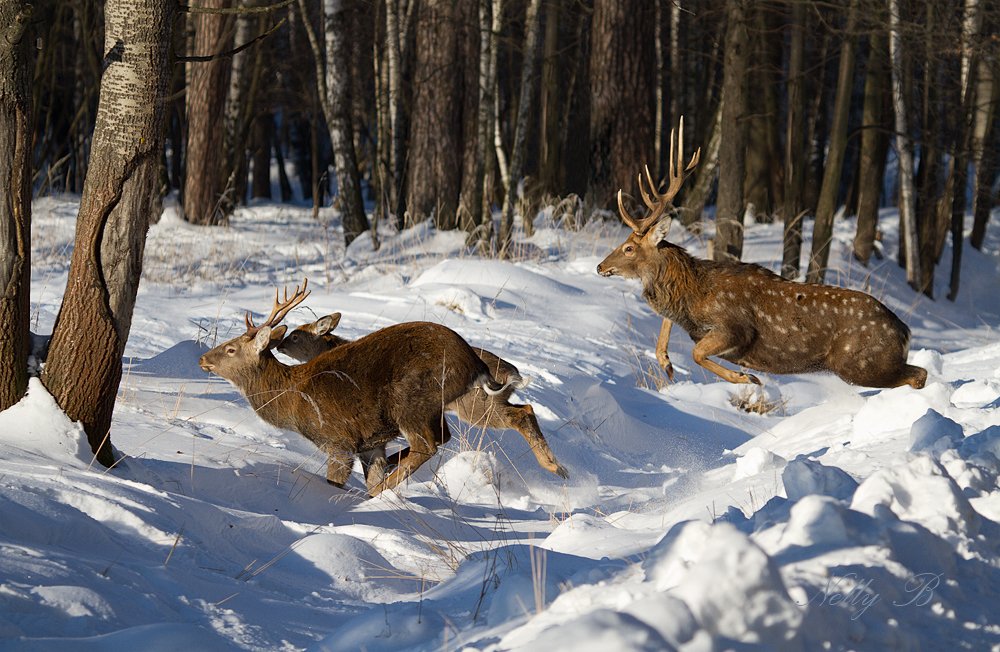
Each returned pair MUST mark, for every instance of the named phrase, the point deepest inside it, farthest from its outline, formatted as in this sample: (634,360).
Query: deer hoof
(750,378)
(561,471)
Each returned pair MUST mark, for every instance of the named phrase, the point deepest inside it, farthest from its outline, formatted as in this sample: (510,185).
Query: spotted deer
(475,407)
(748,315)
(352,400)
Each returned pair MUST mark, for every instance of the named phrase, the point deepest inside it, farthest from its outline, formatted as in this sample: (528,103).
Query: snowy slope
(850,517)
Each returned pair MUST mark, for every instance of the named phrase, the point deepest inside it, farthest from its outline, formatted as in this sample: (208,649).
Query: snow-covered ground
(846,518)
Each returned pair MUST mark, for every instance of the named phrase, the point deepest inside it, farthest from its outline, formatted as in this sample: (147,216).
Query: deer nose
(204,364)
(605,270)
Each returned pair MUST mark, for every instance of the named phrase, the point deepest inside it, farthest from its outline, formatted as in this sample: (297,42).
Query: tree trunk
(874,148)
(796,153)
(525,108)
(263,127)
(988,164)
(763,161)
(621,113)
(904,149)
(551,92)
(84,362)
(337,109)
(433,171)
(829,191)
(475,204)
(696,198)
(208,84)
(17,57)
(730,206)
(928,186)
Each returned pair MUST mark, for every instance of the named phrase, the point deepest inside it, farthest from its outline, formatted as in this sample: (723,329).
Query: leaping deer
(476,407)
(354,399)
(746,314)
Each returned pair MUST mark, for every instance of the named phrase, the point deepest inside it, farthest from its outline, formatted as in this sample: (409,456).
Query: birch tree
(334,91)
(904,149)
(84,364)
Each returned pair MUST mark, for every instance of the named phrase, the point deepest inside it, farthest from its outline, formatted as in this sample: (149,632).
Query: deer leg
(394,459)
(717,343)
(423,444)
(662,357)
(338,467)
(373,462)
(522,418)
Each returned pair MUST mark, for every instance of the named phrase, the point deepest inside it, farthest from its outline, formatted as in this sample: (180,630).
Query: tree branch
(230,53)
(235,10)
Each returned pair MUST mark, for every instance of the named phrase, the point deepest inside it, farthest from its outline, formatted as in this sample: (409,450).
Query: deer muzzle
(606,270)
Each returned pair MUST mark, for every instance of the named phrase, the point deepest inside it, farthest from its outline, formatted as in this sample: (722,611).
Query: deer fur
(475,407)
(748,315)
(355,398)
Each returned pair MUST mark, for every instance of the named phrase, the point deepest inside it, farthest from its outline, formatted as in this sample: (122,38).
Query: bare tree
(904,149)
(829,191)
(732,153)
(433,177)
(474,205)
(208,83)
(795,145)
(874,147)
(84,364)
(16,68)
(524,110)
(334,84)
(621,91)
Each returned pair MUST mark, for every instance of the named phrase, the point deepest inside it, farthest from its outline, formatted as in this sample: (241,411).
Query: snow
(845,518)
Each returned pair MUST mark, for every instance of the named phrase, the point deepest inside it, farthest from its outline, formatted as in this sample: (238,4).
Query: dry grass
(755,401)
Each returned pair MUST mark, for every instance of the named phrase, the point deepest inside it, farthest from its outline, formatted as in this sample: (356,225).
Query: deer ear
(326,324)
(659,232)
(277,334)
(262,340)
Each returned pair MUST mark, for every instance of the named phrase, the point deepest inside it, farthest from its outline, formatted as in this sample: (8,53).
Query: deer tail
(492,387)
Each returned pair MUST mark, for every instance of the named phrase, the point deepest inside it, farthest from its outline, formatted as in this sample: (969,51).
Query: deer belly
(779,357)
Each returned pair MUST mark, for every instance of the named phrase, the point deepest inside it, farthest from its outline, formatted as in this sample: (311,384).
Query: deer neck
(270,389)
(671,283)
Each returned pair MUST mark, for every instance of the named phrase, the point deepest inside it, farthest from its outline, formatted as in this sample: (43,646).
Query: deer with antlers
(352,400)
(475,407)
(746,314)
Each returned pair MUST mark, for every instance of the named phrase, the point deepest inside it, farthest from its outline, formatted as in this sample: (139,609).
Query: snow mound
(895,409)
(730,584)
(920,491)
(756,460)
(602,630)
(803,476)
(179,361)
(37,425)
(934,432)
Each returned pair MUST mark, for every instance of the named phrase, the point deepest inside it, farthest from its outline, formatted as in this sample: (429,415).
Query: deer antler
(281,307)
(657,202)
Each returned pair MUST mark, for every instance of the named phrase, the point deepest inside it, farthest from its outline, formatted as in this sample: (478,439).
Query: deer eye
(231,350)
(295,337)
(629,249)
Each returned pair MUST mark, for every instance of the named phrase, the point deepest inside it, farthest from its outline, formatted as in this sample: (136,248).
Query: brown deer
(475,407)
(748,315)
(354,399)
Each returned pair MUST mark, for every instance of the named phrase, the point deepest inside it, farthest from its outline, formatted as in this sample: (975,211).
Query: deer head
(632,257)
(309,340)
(246,352)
